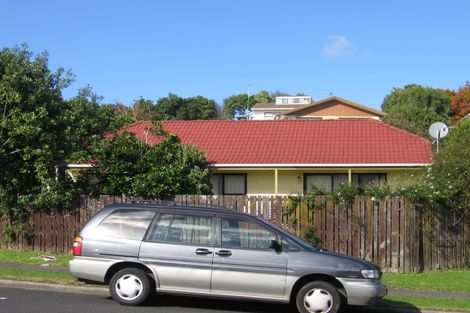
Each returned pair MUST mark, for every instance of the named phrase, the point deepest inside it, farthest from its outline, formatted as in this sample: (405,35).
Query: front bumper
(363,291)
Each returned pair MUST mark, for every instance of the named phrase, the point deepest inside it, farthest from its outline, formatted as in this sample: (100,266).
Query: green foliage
(311,197)
(237,104)
(427,193)
(345,194)
(451,169)
(262,97)
(195,108)
(86,119)
(129,166)
(379,190)
(117,114)
(173,107)
(294,203)
(415,108)
(33,139)
(309,235)
(143,110)
(460,102)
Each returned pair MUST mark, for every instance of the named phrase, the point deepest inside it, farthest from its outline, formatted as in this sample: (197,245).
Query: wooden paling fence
(388,232)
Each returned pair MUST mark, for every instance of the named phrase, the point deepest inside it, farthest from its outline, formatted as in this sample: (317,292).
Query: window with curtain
(228,184)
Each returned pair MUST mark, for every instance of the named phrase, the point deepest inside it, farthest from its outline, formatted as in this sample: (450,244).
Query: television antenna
(438,130)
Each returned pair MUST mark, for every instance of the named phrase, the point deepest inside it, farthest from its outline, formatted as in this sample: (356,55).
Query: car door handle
(201,251)
(224,253)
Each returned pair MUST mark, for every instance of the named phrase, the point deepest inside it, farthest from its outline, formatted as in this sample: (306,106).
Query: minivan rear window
(126,224)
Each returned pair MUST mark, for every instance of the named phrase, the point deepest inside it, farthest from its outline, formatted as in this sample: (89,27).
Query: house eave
(321,166)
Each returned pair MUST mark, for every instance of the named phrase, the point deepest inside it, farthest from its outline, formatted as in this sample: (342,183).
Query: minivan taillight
(77,246)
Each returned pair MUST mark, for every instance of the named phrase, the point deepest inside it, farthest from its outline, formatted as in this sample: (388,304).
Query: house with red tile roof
(278,157)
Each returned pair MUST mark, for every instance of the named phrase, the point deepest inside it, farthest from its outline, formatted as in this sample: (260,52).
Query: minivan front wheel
(318,297)
(130,286)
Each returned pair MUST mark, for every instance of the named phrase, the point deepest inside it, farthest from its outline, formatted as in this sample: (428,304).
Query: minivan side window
(126,224)
(185,229)
(238,233)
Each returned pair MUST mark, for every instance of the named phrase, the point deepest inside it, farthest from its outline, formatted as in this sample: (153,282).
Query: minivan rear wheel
(130,286)
(318,297)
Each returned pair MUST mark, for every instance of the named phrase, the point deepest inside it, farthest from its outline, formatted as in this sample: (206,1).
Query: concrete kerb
(380,309)
(428,294)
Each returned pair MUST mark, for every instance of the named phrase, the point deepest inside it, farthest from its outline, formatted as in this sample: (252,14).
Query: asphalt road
(33,301)
(14,300)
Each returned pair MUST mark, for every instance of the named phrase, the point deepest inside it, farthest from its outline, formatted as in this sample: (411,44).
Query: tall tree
(452,165)
(130,166)
(84,119)
(236,105)
(143,110)
(33,137)
(118,115)
(87,118)
(167,107)
(415,108)
(461,102)
(262,97)
(195,108)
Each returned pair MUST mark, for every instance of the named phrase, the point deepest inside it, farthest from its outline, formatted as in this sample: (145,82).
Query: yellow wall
(290,182)
(261,182)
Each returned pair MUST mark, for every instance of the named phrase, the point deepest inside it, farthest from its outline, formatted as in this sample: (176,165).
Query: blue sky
(358,50)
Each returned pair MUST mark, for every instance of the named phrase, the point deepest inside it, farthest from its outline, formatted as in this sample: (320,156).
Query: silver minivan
(140,249)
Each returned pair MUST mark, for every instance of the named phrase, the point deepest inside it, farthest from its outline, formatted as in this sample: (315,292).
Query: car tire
(130,286)
(318,297)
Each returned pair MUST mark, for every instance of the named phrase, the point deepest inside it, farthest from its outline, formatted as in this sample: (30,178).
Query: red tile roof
(297,142)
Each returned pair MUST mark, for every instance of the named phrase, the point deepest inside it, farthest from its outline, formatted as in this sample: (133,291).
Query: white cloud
(338,47)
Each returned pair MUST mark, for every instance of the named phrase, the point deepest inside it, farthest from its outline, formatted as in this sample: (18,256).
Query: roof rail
(174,203)
(152,202)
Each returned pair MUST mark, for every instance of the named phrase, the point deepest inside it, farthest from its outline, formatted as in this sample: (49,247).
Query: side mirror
(276,245)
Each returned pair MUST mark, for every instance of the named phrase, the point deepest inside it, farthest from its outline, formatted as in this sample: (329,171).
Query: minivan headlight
(370,274)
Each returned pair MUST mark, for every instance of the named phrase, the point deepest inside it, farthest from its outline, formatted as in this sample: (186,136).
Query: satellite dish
(438,130)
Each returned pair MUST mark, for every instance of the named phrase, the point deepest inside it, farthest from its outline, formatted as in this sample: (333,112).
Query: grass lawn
(37,275)
(449,280)
(14,256)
